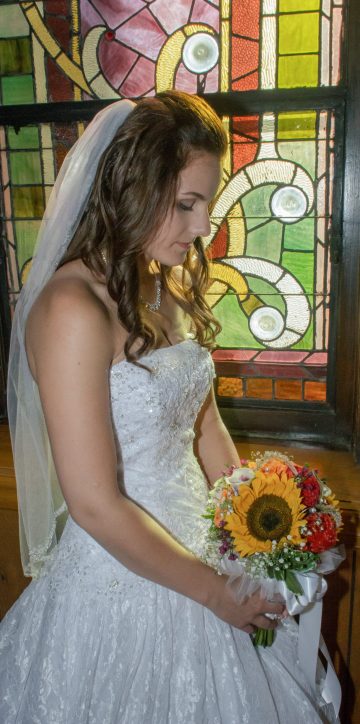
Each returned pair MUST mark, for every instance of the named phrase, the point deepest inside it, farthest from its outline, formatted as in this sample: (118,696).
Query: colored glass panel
(25,137)
(28,201)
(276,244)
(25,167)
(259,388)
(96,49)
(293,6)
(26,234)
(91,48)
(17,89)
(298,71)
(315,391)
(288,390)
(299,33)
(230,387)
(15,56)
(13,22)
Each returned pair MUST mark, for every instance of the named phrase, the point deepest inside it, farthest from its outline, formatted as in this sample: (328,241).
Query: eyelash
(183,207)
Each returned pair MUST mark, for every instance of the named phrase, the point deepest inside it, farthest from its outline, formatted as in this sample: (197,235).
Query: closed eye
(184,207)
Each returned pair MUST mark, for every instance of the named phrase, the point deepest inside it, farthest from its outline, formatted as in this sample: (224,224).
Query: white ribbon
(308,605)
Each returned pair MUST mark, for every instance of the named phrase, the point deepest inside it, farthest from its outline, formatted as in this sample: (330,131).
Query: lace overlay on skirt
(92,643)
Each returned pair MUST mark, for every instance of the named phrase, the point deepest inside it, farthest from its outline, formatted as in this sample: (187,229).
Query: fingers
(274,607)
(261,621)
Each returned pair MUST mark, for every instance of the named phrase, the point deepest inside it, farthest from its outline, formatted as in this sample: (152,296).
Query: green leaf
(293,583)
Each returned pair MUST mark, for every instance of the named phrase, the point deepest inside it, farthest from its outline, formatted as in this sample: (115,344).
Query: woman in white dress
(124,624)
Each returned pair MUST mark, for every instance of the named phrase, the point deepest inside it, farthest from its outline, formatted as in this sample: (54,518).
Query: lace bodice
(154,409)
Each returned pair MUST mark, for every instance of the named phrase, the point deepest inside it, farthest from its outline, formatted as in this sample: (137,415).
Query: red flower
(310,490)
(322,532)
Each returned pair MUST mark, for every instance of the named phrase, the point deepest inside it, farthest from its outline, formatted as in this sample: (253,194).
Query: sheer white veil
(42,508)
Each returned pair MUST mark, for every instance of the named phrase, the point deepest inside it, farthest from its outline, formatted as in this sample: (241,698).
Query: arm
(70,344)
(213,444)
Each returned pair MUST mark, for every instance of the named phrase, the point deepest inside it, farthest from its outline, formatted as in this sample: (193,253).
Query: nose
(201,226)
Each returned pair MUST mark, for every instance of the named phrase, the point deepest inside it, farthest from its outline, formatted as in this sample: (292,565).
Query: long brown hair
(134,187)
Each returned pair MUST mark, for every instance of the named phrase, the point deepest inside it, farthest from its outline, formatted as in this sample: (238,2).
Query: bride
(110,370)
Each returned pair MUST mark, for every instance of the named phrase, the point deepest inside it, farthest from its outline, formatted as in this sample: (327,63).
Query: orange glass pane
(315,391)
(230,387)
(288,389)
(260,388)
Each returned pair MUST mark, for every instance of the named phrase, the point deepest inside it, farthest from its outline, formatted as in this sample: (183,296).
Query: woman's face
(189,217)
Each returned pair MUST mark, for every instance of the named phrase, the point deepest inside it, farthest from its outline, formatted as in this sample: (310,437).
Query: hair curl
(135,186)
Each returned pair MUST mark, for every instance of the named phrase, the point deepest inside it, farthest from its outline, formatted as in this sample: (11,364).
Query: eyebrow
(193,193)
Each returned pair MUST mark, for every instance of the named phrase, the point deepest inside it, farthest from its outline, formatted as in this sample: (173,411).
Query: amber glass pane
(230,387)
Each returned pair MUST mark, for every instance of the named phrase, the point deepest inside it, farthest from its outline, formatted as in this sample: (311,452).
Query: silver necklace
(151,306)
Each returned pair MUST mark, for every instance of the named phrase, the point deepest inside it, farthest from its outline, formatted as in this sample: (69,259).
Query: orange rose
(274,465)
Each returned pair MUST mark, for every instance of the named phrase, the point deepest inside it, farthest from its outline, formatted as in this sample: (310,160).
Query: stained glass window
(271,226)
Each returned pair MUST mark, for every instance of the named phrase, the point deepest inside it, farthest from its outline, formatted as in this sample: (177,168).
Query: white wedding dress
(90,642)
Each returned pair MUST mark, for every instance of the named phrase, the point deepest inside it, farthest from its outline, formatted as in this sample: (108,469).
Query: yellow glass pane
(298,71)
(299,33)
(294,6)
(296,125)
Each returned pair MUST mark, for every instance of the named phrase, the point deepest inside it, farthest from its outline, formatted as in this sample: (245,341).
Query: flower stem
(263,637)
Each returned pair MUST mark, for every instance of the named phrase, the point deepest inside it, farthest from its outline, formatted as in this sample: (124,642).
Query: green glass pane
(301,152)
(26,235)
(26,137)
(256,203)
(301,266)
(17,89)
(293,6)
(265,242)
(300,236)
(25,167)
(235,327)
(15,56)
(265,292)
(299,33)
(28,201)
(298,71)
(12,21)
(296,125)
(307,342)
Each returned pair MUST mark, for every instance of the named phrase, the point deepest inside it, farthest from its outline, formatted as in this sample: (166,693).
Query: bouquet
(274,525)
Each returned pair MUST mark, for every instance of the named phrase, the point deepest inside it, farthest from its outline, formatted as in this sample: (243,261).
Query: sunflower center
(269,518)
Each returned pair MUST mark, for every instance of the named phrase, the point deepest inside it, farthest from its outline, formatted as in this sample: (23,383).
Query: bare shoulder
(68,317)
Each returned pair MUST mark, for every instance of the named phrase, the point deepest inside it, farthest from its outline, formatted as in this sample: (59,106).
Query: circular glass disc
(289,204)
(266,323)
(200,53)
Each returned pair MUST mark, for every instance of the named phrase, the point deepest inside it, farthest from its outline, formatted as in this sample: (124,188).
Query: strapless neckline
(156,351)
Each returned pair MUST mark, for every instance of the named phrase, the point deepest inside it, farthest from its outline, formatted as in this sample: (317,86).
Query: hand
(248,615)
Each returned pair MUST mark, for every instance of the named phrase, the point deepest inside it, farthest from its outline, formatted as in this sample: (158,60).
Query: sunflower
(269,509)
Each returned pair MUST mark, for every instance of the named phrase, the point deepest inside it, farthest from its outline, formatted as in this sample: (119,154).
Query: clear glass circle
(266,323)
(200,53)
(289,204)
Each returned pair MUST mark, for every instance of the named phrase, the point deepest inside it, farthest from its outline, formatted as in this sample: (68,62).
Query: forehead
(201,175)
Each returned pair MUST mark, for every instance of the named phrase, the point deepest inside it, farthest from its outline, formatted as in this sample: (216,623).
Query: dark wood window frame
(336,423)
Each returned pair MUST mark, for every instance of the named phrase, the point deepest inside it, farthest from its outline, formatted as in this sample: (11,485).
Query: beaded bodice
(154,411)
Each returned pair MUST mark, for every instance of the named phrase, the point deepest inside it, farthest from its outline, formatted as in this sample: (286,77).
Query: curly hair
(134,188)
